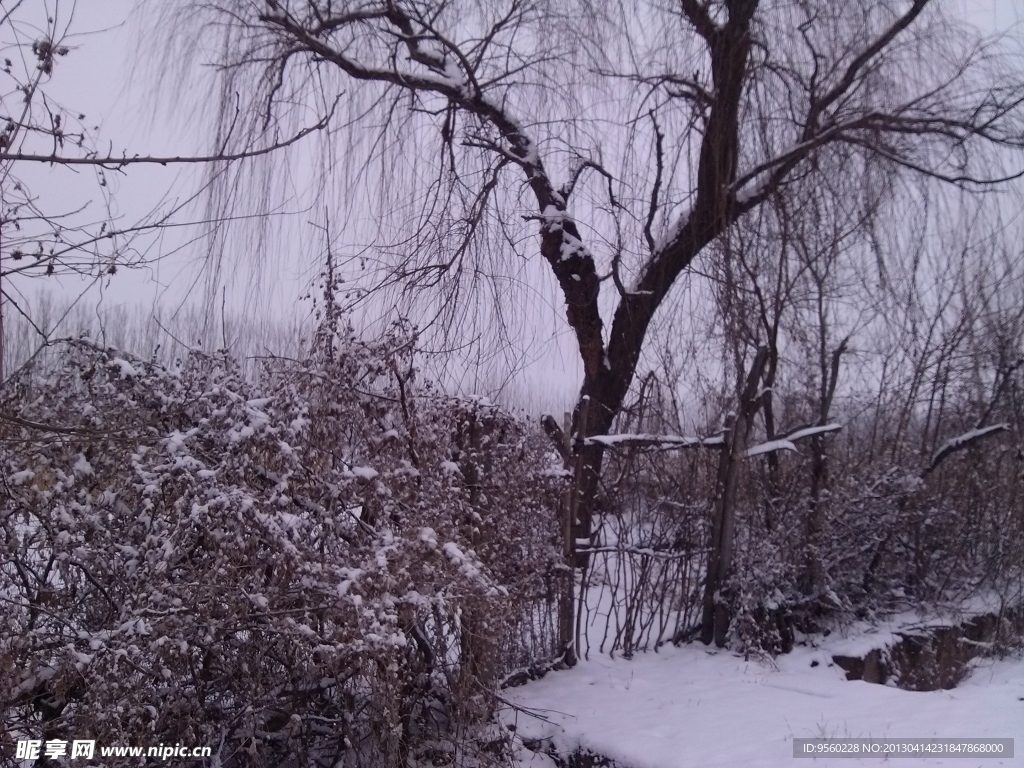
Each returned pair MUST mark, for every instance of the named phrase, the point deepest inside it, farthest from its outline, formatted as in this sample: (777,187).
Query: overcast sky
(109,76)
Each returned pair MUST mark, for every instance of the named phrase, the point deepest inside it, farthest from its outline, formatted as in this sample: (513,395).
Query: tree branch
(114,163)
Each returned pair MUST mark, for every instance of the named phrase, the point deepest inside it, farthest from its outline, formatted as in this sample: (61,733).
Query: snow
(366,473)
(553,472)
(125,368)
(553,217)
(748,193)
(690,706)
(800,434)
(428,536)
(664,441)
(461,560)
(20,478)
(82,466)
(570,247)
(527,759)
(966,437)
(470,568)
(454,552)
(175,441)
(771,445)
(453,74)
(672,232)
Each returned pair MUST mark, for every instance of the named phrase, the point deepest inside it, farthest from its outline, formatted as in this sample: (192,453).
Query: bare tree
(631,135)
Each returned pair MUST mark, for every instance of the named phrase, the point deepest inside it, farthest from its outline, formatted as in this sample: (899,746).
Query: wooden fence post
(579,561)
(566,598)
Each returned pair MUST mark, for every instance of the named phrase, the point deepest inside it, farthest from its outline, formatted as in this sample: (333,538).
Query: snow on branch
(675,442)
(962,441)
(802,432)
(769,447)
(785,443)
(673,231)
(662,442)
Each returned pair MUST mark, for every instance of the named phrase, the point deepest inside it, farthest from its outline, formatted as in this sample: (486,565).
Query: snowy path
(688,707)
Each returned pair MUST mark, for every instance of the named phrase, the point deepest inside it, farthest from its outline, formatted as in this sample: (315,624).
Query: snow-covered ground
(690,707)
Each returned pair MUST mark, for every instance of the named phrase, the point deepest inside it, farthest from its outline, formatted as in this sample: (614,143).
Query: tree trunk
(715,619)
(813,576)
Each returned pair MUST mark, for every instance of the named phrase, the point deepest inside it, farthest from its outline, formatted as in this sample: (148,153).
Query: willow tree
(627,136)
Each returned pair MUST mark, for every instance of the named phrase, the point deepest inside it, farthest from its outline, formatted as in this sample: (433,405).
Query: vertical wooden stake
(566,622)
(578,526)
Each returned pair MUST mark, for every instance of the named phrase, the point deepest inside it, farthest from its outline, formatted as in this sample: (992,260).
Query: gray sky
(109,76)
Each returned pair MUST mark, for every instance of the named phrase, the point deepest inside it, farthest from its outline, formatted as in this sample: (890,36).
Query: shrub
(328,565)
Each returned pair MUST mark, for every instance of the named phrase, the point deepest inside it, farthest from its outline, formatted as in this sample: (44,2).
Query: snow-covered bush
(330,565)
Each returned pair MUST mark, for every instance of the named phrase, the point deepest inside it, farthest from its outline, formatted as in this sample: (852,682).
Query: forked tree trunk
(609,369)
